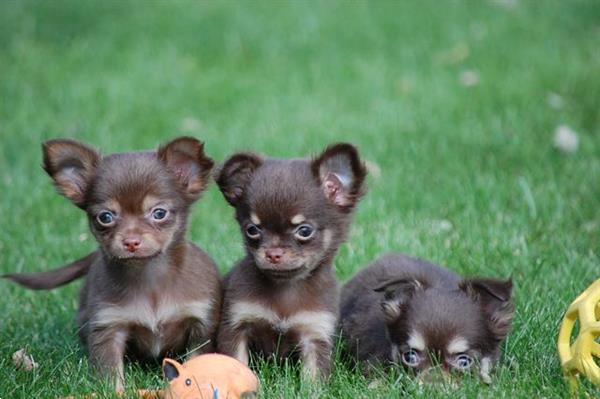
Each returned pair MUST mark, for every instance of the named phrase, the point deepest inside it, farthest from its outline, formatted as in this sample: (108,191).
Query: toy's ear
(396,294)
(494,298)
(340,173)
(185,158)
(170,369)
(72,166)
(235,174)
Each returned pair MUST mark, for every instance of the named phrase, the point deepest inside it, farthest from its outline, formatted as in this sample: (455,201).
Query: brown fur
(397,296)
(57,277)
(148,292)
(287,307)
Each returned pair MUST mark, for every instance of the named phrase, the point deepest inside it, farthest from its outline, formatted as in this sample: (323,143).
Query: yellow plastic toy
(582,356)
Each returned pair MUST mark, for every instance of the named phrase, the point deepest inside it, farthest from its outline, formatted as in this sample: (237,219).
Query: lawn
(453,103)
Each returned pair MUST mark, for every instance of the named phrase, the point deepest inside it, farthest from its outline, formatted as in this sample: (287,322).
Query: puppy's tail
(54,278)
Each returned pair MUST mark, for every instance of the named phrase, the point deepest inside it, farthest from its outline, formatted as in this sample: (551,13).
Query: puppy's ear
(494,298)
(235,174)
(185,158)
(72,166)
(170,369)
(341,174)
(397,293)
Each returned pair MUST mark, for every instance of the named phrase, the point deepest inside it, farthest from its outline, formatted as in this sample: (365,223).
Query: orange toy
(210,376)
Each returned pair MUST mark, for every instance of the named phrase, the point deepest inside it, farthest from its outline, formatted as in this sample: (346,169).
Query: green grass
(286,79)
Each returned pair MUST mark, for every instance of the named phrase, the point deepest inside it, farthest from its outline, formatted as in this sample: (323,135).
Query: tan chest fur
(141,313)
(311,324)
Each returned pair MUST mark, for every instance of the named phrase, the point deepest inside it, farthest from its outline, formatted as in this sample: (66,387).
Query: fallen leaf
(21,359)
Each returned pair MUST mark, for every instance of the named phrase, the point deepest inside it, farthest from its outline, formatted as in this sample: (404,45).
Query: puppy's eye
(411,358)
(159,213)
(253,231)
(106,218)
(463,361)
(304,232)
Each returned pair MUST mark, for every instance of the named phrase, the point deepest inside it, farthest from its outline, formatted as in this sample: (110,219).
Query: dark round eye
(463,361)
(159,213)
(106,218)
(411,358)
(253,231)
(188,382)
(304,232)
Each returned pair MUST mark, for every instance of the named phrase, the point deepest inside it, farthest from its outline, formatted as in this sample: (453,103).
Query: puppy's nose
(132,244)
(274,255)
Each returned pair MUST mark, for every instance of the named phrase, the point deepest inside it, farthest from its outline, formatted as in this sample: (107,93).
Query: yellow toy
(583,355)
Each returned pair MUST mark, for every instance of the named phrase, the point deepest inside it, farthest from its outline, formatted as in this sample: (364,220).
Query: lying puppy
(148,291)
(282,298)
(410,312)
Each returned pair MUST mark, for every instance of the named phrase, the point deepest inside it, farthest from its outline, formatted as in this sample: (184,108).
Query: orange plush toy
(210,376)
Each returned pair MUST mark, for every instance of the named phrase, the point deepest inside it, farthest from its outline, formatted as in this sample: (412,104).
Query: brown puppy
(282,298)
(148,292)
(410,312)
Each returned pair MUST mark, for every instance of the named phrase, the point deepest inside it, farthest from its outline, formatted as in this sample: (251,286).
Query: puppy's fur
(148,292)
(57,277)
(282,298)
(410,312)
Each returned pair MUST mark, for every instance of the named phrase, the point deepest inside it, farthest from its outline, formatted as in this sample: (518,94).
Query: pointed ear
(72,166)
(235,174)
(396,294)
(170,369)
(185,158)
(494,298)
(341,174)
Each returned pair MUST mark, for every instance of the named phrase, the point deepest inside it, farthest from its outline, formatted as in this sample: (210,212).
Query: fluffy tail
(54,278)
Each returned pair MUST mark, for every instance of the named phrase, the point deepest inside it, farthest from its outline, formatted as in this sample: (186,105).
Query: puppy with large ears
(149,292)
(409,312)
(282,298)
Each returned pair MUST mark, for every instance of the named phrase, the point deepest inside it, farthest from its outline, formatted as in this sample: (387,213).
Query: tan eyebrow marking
(458,345)
(254,218)
(149,202)
(299,218)
(416,341)
(113,206)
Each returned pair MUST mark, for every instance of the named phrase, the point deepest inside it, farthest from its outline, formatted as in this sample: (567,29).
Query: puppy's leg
(107,348)
(316,358)
(233,342)
(200,339)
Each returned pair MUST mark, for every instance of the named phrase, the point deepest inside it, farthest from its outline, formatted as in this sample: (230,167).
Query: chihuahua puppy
(282,298)
(410,312)
(148,291)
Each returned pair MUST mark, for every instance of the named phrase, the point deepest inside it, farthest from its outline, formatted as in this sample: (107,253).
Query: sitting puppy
(282,298)
(410,312)
(148,292)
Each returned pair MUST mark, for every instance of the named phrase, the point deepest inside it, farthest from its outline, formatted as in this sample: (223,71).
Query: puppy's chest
(153,315)
(301,323)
